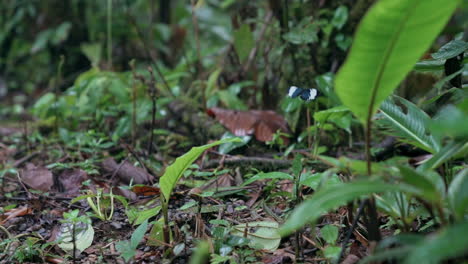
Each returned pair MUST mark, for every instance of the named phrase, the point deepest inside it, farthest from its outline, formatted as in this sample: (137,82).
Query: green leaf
(243,42)
(138,234)
(334,196)
(177,169)
(332,252)
(265,236)
(411,126)
(450,121)
(329,233)
(144,215)
(84,235)
(429,65)
(228,147)
(458,195)
(445,154)
(448,243)
(340,17)
(389,41)
(268,175)
(429,186)
(450,50)
(305,32)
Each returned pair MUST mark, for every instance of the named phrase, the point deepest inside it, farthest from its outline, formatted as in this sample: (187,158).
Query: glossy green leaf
(173,173)
(334,196)
(389,41)
(458,195)
(411,125)
(450,50)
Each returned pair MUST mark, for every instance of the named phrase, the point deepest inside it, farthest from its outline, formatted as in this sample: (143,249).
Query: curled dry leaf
(38,178)
(262,124)
(15,212)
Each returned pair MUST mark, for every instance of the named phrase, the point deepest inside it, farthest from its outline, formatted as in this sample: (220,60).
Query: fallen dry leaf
(38,178)
(262,124)
(127,172)
(71,180)
(15,213)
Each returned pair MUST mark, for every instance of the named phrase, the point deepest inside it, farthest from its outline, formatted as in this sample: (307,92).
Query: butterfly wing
(308,94)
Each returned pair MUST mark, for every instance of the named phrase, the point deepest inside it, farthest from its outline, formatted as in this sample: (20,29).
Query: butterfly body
(304,94)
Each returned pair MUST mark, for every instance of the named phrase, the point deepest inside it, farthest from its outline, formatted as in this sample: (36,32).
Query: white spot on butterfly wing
(312,94)
(291,91)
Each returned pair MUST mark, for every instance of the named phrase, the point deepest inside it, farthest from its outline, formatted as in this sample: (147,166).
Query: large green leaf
(334,196)
(448,243)
(389,41)
(457,194)
(177,169)
(448,152)
(410,126)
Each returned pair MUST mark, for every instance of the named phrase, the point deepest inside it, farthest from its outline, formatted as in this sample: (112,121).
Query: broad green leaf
(450,122)
(448,243)
(389,41)
(427,185)
(429,65)
(319,179)
(265,236)
(446,153)
(243,42)
(305,32)
(138,234)
(128,248)
(211,82)
(228,147)
(450,50)
(410,126)
(144,215)
(340,17)
(84,235)
(386,249)
(329,233)
(177,169)
(458,195)
(334,196)
(332,252)
(201,253)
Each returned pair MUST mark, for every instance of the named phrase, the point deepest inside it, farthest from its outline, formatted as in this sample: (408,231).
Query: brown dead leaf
(262,124)
(222,181)
(125,193)
(70,181)
(38,178)
(127,172)
(10,214)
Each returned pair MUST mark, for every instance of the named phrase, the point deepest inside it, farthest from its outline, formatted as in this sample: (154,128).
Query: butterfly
(304,94)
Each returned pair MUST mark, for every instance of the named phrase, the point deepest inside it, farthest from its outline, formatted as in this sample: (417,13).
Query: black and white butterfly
(304,94)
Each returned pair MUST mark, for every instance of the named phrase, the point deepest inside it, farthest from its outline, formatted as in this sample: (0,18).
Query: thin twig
(351,230)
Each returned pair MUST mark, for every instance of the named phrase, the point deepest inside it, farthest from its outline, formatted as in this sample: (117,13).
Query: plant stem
(373,225)
(109,34)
